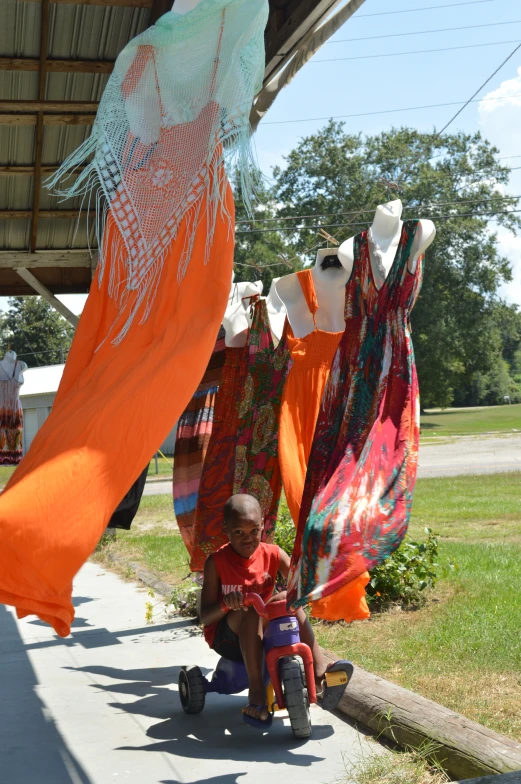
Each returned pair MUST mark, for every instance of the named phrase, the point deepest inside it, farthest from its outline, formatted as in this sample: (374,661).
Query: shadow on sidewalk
(32,751)
(218,733)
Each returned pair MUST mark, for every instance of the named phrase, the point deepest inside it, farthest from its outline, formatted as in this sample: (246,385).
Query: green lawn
(503,419)
(463,648)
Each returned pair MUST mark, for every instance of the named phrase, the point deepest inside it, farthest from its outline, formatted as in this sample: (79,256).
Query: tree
(261,252)
(339,179)
(38,334)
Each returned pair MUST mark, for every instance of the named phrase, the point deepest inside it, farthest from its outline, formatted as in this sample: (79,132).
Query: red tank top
(247,575)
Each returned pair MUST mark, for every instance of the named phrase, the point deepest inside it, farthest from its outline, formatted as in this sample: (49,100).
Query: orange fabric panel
(115,406)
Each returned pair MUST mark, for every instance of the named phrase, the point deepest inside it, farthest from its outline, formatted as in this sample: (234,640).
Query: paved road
(470,455)
(102,707)
(445,457)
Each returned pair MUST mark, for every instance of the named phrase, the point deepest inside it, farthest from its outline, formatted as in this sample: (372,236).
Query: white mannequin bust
(276,310)
(9,363)
(237,318)
(330,278)
(386,231)
(184,6)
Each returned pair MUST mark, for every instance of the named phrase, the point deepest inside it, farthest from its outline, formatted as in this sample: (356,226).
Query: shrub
(404,577)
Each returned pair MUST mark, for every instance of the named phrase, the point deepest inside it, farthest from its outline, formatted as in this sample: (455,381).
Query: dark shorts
(226,642)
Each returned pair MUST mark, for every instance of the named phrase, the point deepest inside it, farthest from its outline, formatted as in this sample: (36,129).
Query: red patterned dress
(11,419)
(362,467)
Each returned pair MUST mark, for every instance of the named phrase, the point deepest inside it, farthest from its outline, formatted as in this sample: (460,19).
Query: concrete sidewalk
(102,705)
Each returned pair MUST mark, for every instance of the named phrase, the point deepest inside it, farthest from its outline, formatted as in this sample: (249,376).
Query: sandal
(336,677)
(259,724)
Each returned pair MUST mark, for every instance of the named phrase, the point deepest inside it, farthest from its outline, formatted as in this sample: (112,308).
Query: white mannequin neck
(10,363)
(184,6)
(329,282)
(237,318)
(276,310)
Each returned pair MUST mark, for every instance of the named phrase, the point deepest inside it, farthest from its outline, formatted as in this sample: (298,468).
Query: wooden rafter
(48,119)
(10,171)
(56,66)
(24,214)
(43,259)
(42,105)
(106,3)
(44,292)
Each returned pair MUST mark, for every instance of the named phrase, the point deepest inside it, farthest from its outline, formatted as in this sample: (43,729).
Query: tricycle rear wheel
(296,697)
(191,689)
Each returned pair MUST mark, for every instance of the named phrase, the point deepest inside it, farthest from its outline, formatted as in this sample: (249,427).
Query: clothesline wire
(297,229)
(357,212)
(422,32)
(417,157)
(424,8)
(384,111)
(415,51)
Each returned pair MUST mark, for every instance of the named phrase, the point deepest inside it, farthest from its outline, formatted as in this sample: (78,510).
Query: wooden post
(37,177)
(44,292)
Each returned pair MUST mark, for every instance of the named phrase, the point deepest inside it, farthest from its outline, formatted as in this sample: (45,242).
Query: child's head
(243,523)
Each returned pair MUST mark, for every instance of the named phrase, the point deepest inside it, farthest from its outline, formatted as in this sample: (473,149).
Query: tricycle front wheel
(296,697)
(191,689)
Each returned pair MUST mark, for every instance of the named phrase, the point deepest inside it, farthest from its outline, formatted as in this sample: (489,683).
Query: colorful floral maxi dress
(194,430)
(362,466)
(218,473)
(257,469)
(11,420)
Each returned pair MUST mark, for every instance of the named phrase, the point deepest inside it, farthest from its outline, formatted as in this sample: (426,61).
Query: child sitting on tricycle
(234,628)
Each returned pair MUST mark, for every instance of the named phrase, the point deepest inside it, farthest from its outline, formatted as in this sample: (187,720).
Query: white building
(37,396)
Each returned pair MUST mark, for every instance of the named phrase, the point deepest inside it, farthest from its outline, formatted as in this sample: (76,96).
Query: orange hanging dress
(312,357)
(115,406)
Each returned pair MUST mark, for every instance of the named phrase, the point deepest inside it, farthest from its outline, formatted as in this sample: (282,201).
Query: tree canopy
(464,335)
(38,334)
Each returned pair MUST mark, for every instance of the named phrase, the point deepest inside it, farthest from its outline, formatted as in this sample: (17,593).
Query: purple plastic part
(280,632)
(230,677)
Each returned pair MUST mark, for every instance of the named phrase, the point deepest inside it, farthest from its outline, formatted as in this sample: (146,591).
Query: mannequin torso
(237,319)
(385,232)
(276,310)
(329,282)
(12,368)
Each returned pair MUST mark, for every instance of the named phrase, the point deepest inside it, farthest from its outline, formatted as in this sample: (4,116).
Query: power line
(416,51)
(425,8)
(386,111)
(370,209)
(421,32)
(297,229)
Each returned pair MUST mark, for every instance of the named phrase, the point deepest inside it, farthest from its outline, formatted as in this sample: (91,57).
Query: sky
(380,77)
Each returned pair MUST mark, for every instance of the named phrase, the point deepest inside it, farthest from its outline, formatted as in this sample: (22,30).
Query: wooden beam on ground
(19,259)
(63,214)
(464,748)
(506,778)
(56,66)
(48,119)
(78,107)
(29,278)
(105,3)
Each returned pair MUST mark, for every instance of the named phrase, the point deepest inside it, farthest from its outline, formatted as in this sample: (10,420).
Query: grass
(461,649)
(395,768)
(164,466)
(472,421)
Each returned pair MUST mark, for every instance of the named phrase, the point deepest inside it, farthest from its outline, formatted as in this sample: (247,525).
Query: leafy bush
(406,574)
(284,529)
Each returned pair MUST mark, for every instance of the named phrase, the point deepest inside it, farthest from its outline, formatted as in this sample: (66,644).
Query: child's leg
(307,636)
(249,627)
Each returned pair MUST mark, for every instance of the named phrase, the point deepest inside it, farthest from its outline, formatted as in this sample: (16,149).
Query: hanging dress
(312,357)
(362,467)
(127,509)
(257,469)
(219,466)
(175,109)
(11,419)
(193,436)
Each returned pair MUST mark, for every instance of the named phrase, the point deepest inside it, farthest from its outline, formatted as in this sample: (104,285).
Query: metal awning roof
(55,59)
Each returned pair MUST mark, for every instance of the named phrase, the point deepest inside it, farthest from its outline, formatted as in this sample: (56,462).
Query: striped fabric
(193,434)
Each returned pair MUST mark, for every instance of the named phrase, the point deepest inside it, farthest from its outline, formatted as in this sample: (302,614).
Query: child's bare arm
(211,610)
